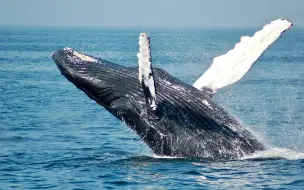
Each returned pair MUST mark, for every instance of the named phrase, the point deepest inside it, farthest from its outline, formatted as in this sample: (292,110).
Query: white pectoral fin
(145,72)
(231,67)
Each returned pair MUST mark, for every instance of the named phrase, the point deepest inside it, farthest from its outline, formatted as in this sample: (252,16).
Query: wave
(166,157)
(273,153)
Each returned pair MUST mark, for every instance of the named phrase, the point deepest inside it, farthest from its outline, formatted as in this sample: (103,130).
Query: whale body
(173,118)
(187,122)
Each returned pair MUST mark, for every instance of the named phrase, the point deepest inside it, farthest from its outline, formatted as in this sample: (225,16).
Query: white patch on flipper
(231,67)
(145,72)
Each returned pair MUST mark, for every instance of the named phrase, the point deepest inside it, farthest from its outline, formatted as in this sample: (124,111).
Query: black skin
(183,124)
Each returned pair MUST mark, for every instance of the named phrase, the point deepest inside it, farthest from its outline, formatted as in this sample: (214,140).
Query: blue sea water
(52,136)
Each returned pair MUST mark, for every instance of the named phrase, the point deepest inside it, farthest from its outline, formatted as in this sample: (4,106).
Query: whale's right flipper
(145,72)
(231,67)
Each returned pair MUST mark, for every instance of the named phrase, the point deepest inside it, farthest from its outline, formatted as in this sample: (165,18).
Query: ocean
(52,136)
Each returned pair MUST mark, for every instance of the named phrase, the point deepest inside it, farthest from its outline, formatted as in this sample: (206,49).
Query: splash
(273,153)
(276,153)
(165,157)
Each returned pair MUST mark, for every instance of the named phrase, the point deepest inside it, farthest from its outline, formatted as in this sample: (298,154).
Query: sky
(154,13)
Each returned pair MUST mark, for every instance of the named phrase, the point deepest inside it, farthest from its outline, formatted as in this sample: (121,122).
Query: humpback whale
(172,117)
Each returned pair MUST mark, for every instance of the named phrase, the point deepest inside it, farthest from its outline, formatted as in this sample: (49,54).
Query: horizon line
(133,27)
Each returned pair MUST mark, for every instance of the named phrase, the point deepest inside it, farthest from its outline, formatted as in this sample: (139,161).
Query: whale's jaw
(187,122)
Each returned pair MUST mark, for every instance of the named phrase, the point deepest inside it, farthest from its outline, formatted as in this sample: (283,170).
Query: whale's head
(101,80)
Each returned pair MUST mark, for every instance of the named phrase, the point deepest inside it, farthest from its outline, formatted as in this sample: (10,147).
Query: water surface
(52,136)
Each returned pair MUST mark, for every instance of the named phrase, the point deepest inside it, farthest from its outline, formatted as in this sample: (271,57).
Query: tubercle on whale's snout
(64,61)
(59,55)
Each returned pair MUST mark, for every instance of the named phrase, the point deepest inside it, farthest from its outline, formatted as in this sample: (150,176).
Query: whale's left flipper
(231,67)
(145,72)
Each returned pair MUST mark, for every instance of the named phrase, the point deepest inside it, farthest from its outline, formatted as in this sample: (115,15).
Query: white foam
(273,153)
(277,153)
(165,157)
(231,67)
